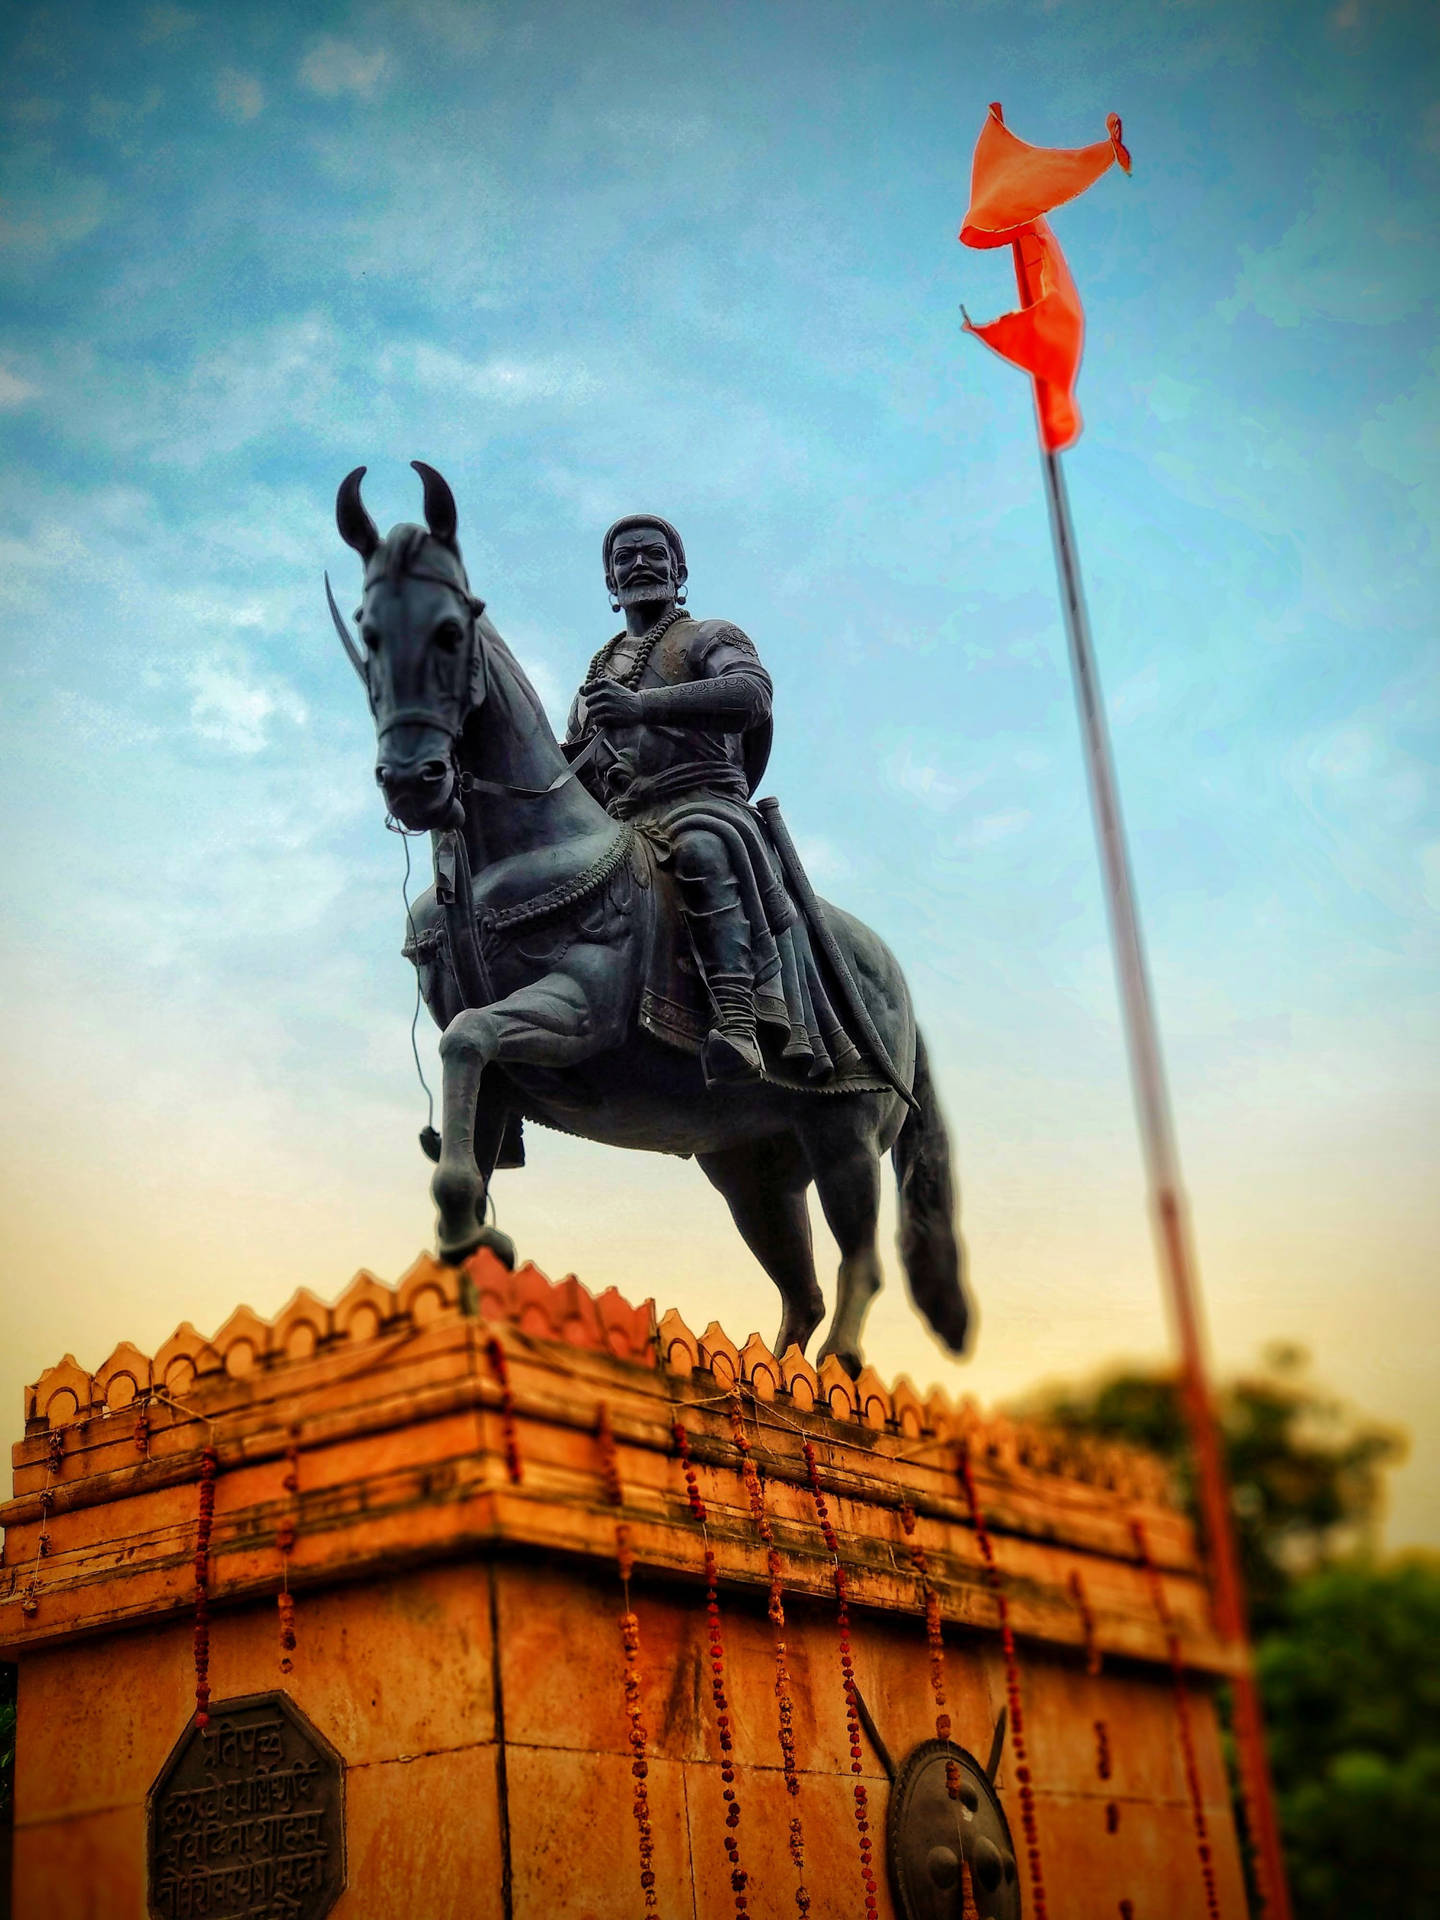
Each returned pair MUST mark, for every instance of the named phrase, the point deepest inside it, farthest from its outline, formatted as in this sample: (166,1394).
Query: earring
(614,604)
(681,595)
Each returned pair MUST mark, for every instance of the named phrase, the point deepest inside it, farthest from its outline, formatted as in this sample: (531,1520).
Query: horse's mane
(498,650)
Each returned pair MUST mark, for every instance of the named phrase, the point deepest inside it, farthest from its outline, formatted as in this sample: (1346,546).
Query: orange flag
(1012,187)
(1046,335)
(1013,183)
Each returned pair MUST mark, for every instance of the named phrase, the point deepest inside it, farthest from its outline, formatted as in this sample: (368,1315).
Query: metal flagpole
(1169,1214)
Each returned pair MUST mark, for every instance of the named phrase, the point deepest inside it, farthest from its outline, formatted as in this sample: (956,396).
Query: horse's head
(423,660)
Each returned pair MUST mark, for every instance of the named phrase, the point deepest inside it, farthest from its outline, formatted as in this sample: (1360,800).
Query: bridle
(474,675)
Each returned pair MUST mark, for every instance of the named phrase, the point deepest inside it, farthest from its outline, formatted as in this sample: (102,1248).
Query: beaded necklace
(632,676)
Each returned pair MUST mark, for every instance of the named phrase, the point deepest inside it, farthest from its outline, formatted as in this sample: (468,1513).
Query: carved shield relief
(930,1835)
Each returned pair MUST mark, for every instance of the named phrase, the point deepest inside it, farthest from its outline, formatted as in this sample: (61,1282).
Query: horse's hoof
(455,1252)
(498,1243)
(849,1357)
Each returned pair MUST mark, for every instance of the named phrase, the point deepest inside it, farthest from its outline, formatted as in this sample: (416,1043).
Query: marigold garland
(500,1367)
(1182,1717)
(739,1879)
(142,1433)
(934,1635)
(630,1640)
(1012,1686)
(847,1671)
(1093,1659)
(776,1608)
(204,1526)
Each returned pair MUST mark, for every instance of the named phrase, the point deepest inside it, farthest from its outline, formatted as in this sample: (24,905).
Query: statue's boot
(720,935)
(721,938)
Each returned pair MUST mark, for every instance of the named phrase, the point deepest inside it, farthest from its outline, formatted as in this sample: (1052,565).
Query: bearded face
(642,567)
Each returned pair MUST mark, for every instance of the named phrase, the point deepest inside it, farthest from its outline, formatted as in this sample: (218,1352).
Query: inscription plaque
(247,1818)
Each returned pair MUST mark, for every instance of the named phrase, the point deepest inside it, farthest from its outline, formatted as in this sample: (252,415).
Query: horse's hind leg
(764,1184)
(847,1178)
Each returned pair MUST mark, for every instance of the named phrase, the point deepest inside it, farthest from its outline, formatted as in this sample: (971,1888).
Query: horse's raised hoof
(498,1243)
(454,1253)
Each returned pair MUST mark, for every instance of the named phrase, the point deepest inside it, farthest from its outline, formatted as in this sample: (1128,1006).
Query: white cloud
(1402,436)
(1358,253)
(165,23)
(52,211)
(1430,874)
(463,27)
(510,381)
(14,391)
(823,861)
(233,711)
(116,120)
(334,67)
(927,783)
(239,96)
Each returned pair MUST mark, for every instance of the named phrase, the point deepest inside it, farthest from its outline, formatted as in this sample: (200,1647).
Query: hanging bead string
(1182,1716)
(1094,1661)
(847,1671)
(784,1702)
(969,1909)
(1102,1750)
(203,1527)
(142,1430)
(630,1640)
(935,1637)
(739,1879)
(285,1541)
(500,1367)
(1012,1686)
(54,1461)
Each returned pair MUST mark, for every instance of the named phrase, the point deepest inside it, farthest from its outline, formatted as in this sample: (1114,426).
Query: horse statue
(533,948)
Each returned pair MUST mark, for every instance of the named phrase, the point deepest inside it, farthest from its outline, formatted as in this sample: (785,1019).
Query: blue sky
(704,261)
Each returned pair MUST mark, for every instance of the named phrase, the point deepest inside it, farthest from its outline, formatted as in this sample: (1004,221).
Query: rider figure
(682,708)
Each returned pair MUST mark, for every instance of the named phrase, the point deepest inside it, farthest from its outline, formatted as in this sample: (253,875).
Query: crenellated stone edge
(566,1311)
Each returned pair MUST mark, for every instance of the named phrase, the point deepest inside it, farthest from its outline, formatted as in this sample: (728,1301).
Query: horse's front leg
(554,1022)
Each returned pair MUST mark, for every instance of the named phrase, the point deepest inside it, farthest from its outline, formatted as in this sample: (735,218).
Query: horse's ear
(440,514)
(357,529)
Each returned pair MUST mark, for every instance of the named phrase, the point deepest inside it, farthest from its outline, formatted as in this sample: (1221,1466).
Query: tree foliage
(1352,1699)
(1346,1644)
(1306,1474)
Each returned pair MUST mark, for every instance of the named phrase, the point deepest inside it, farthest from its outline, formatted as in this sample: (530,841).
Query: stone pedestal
(458,1642)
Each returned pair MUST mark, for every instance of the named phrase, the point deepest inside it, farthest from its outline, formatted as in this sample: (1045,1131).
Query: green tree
(1345,1644)
(1351,1686)
(1306,1474)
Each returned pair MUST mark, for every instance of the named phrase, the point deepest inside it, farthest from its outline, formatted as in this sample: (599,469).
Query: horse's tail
(929,1246)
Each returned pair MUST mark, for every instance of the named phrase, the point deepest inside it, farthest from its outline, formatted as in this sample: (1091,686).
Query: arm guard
(730,703)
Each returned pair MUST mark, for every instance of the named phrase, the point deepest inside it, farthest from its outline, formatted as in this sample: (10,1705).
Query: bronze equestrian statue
(619,946)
